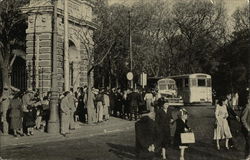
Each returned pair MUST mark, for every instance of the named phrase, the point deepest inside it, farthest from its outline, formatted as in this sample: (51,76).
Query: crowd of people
(22,112)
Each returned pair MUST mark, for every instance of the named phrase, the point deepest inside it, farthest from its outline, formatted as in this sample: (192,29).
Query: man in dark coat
(245,119)
(163,119)
(232,118)
(112,98)
(134,100)
(146,137)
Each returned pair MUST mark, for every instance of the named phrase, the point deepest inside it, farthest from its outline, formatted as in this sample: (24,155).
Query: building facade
(74,40)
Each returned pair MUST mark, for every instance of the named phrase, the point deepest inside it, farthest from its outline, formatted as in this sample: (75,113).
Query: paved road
(120,145)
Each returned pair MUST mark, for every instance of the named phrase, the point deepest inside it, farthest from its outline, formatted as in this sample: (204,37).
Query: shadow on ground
(122,151)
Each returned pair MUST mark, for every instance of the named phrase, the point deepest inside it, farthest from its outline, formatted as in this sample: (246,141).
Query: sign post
(143,79)
(130,77)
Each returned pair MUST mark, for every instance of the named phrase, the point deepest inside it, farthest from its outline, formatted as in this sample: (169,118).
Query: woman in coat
(222,130)
(16,115)
(163,119)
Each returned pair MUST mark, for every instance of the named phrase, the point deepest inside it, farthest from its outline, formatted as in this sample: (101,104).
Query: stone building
(74,38)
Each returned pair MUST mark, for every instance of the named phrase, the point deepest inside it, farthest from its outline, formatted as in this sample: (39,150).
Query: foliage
(12,34)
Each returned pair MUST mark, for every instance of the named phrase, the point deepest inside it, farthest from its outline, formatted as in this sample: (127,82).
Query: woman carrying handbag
(183,134)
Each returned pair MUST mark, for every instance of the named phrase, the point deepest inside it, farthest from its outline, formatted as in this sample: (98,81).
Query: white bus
(194,88)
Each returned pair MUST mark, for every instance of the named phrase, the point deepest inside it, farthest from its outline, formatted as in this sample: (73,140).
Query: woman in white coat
(222,130)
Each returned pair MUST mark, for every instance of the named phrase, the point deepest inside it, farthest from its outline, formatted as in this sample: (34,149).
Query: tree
(92,41)
(233,62)
(202,28)
(12,35)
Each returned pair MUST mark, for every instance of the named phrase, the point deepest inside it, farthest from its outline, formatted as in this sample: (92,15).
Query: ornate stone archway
(39,40)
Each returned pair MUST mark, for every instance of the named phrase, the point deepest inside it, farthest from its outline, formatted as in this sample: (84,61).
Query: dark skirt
(16,123)
(29,119)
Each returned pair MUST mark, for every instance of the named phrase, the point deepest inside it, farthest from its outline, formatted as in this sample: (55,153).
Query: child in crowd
(181,127)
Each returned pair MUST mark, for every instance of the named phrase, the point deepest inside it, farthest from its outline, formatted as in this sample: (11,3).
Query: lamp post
(248,3)
(53,125)
(130,50)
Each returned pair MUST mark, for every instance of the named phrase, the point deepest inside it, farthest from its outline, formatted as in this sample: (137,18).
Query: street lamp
(130,50)
(53,125)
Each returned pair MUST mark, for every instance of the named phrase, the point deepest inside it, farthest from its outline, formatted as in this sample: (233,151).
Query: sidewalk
(84,131)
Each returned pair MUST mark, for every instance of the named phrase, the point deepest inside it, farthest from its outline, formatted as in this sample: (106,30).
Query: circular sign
(130,76)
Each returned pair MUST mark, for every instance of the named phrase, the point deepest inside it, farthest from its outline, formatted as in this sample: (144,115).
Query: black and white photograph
(124,80)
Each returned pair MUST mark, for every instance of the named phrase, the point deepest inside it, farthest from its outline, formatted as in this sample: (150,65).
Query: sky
(231,5)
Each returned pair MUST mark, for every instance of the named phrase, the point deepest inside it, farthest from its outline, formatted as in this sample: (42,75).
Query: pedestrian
(80,105)
(106,106)
(163,120)
(232,118)
(92,118)
(149,101)
(175,115)
(181,127)
(125,104)
(28,114)
(245,119)
(112,98)
(118,105)
(235,101)
(99,105)
(65,114)
(134,100)
(16,115)
(222,130)
(72,109)
(146,137)
(4,107)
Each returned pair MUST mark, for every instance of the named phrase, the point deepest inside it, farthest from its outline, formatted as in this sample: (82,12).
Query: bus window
(186,84)
(171,86)
(193,82)
(162,87)
(201,82)
(209,83)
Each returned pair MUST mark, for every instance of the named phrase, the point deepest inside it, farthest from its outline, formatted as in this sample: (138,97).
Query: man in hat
(146,137)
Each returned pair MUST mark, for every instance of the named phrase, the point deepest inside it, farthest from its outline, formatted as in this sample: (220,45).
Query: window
(201,83)
(209,83)
(162,86)
(171,86)
(186,82)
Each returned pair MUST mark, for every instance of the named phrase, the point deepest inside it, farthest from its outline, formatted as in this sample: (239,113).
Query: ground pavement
(82,131)
(119,143)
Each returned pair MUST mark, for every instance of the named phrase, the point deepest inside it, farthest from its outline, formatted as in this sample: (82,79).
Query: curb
(78,135)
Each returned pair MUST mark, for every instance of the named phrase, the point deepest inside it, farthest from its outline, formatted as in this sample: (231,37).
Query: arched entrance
(74,66)
(19,74)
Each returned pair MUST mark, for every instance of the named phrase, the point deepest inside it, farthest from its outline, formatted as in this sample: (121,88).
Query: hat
(183,111)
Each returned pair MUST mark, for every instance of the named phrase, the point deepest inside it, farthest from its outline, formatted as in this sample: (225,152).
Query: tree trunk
(5,76)
(89,108)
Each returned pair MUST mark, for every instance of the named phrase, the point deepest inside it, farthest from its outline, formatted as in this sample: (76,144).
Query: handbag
(187,138)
